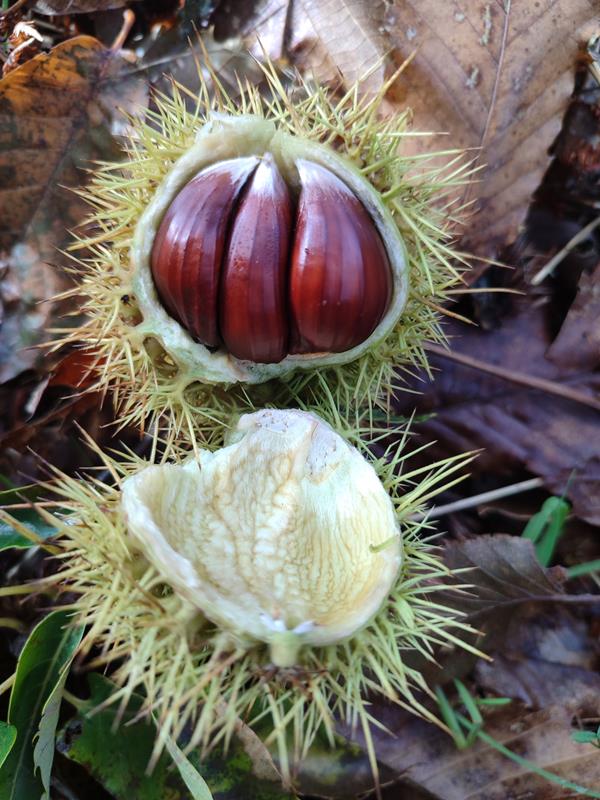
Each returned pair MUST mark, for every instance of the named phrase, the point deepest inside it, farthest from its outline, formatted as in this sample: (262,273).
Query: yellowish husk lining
(284,536)
(196,676)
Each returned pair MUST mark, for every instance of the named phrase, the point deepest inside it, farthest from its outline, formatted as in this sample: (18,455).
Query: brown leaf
(578,341)
(548,659)
(579,541)
(339,39)
(507,588)
(231,61)
(336,40)
(516,423)
(427,758)
(496,76)
(504,572)
(535,682)
(56,117)
(76,6)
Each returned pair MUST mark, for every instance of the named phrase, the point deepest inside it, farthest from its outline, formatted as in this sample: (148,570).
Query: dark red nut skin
(188,250)
(253,305)
(340,276)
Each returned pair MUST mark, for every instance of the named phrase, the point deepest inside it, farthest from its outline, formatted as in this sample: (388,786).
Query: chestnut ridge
(136,621)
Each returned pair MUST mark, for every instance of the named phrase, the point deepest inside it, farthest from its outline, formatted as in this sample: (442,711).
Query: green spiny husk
(192,676)
(146,385)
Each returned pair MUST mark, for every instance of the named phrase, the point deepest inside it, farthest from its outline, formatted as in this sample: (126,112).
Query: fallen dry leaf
(579,541)
(76,6)
(56,118)
(426,758)
(535,682)
(338,41)
(507,585)
(492,76)
(547,659)
(507,588)
(493,401)
(504,571)
(495,76)
(578,342)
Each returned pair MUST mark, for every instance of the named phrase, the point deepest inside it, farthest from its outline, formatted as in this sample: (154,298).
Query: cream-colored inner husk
(230,137)
(275,537)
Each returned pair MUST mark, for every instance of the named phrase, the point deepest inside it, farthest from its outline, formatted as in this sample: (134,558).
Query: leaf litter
(493,77)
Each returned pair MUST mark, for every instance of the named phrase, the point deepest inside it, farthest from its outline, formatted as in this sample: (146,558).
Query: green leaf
(191,777)
(43,752)
(585,737)
(493,701)
(588,568)
(546,527)
(118,757)
(8,734)
(450,718)
(23,518)
(45,657)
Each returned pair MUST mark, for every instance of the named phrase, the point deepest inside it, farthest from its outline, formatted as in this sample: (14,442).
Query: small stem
(128,20)
(555,260)
(470,502)
(530,766)
(75,701)
(283,649)
(520,378)
(7,684)
(11,622)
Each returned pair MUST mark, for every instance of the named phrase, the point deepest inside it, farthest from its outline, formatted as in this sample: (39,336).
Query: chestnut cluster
(244,261)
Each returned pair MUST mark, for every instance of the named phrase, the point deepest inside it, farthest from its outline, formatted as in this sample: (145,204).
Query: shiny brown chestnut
(263,267)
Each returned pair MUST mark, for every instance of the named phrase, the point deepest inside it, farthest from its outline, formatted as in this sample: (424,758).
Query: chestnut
(262,253)
(239,261)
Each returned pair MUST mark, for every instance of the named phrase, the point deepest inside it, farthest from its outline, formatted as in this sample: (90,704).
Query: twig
(14,8)
(7,684)
(521,378)
(572,243)
(128,20)
(485,497)
(568,599)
